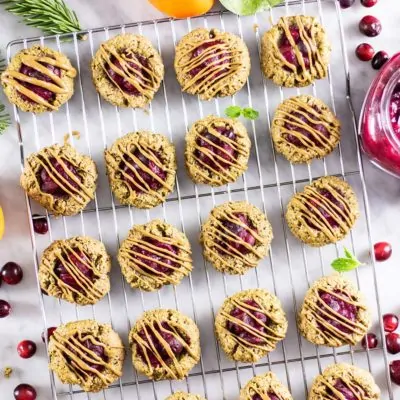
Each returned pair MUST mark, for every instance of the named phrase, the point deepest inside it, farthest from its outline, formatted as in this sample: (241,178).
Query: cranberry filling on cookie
(254,319)
(345,391)
(347,310)
(272,396)
(289,52)
(45,94)
(81,263)
(138,69)
(160,351)
(134,181)
(52,184)
(241,233)
(219,148)
(157,258)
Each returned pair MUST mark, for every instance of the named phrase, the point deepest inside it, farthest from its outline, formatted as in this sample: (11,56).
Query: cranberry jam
(345,391)
(241,233)
(289,52)
(272,396)
(252,318)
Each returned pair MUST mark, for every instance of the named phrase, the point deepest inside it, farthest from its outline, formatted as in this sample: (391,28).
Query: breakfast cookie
(217,150)
(127,71)
(250,324)
(295,51)
(141,168)
(184,396)
(165,344)
(265,386)
(324,212)
(60,179)
(155,254)
(75,270)
(87,354)
(334,313)
(211,63)
(344,381)
(235,237)
(304,128)
(39,79)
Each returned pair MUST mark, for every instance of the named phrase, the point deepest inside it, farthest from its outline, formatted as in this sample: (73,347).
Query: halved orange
(183,8)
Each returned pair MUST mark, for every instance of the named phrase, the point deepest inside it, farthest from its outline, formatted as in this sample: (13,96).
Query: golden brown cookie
(39,79)
(324,212)
(211,63)
(250,324)
(295,51)
(127,71)
(141,168)
(184,396)
(217,150)
(165,344)
(304,129)
(87,354)
(60,179)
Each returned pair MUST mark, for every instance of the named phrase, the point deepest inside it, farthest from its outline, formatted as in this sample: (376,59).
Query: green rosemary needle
(5,120)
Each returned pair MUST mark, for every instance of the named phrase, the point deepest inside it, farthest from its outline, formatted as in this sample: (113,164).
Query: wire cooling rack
(269,183)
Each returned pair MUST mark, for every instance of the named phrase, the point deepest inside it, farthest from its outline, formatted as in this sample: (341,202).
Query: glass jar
(380,119)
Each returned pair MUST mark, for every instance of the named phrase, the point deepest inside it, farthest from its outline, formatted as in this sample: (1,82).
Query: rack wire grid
(269,183)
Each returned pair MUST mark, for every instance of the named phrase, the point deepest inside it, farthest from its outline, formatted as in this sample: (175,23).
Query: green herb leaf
(249,7)
(250,113)
(5,120)
(347,263)
(233,111)
(2,64)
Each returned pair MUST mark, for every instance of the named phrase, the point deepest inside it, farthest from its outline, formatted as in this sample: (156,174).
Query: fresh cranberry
(368,3)
(382,251)
(369,341)
(393,343)
(380,59)
(24,392)
(165,332)
(370,26)
(5,308)
(81,262)
(219,148)
(365,52)
(11,273)
(348,393)
(346,3)
(50,186)
(390,322)
(40,225)
(395,371)
(50,332)
(26,348)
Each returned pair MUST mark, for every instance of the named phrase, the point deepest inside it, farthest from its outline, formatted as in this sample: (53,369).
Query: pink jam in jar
(380,119)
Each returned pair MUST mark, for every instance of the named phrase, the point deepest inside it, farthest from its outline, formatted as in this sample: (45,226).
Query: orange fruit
(1,223)
(182,8)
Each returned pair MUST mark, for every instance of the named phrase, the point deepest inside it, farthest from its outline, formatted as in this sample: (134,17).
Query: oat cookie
(184,396)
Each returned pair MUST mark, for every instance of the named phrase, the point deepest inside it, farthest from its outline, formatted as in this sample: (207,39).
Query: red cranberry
(26,348)
(370,26)
(11,273)
(369,341)
(40,225)
(365,52)
(382,251)
(368,3)
(380,59)
(50,332)
(346,3)
(5,308)
(395,371)
(24,392)
(390,322)
(393,343)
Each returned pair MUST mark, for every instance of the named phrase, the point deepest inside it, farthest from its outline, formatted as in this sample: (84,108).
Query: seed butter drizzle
(183,258)
(254,389)
(80,356)
(314,54)
(213,77)
(308,211)
(321,143)
(269,339)
(57,85)
(147,346)
(356,390)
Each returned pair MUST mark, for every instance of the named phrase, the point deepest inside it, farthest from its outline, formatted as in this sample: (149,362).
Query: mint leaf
(233,111)
(249,7)
(345,264)
(250,113)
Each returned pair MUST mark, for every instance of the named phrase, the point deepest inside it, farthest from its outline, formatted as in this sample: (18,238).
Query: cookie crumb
(255,28)
(75,134)
(7,372)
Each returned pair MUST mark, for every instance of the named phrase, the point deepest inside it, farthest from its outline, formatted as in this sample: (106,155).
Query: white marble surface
(26,320)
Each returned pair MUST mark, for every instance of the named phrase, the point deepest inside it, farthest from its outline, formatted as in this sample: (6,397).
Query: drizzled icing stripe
(183,258)
(81,357)
(332,334)
(143,84)
(147,346)
(314,54)
(253,389)
(87,286)
(269,338)
(57,85)
(215,75)
(321,143)
(310,198)
(355,389)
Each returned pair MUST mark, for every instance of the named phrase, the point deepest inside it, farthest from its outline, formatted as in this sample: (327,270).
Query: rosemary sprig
(5,120)
(50,16)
